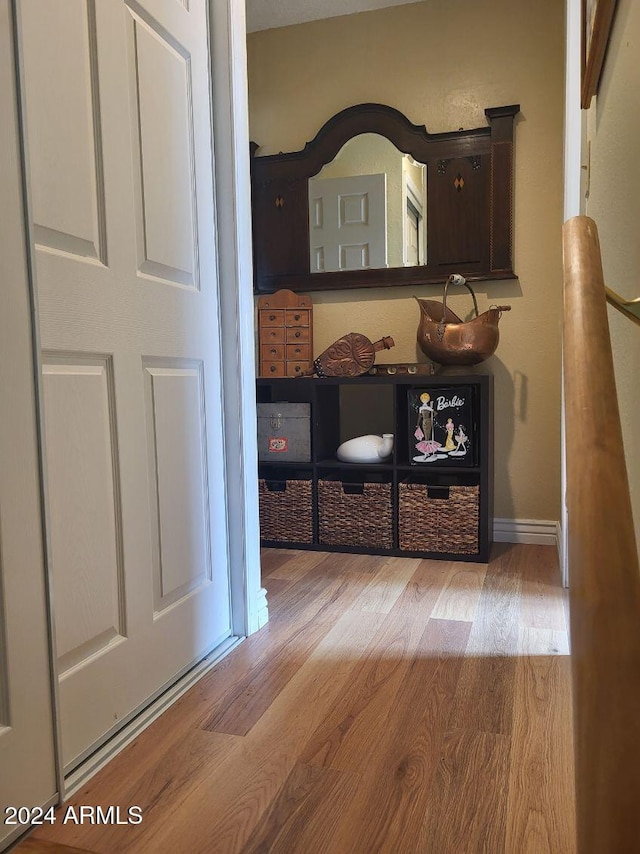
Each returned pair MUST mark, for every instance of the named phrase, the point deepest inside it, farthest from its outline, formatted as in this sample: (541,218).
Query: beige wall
(613,128)
(441,64)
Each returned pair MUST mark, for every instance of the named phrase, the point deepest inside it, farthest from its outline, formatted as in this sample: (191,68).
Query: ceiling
(266,14)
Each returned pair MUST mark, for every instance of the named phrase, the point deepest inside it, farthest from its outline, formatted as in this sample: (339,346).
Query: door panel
(66,166)
(85,519)
(179,489)
(133,399)
(165,198)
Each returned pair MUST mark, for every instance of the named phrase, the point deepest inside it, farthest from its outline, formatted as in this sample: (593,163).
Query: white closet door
(121,172)
(27,767)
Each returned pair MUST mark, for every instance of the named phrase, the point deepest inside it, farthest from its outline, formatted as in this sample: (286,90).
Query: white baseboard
(259,614)
(562,557)
(537,531)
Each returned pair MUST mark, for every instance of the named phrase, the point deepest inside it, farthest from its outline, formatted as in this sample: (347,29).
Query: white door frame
(572,206)
(227,38)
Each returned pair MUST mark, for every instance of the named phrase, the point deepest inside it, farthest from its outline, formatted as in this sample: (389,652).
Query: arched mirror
(374,200)
(367,208)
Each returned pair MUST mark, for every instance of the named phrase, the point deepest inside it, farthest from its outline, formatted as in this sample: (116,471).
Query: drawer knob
(297,335)
(272,317)
(297,317)
(272,369)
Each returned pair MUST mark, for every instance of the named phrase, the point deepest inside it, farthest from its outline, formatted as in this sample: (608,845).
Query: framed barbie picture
(441,426)
(597,18)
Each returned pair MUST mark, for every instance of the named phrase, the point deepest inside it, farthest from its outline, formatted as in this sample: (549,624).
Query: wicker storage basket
(438,524)
(352,518)
(286,514)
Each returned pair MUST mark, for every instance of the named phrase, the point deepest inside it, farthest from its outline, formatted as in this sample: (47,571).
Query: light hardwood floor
(391,705)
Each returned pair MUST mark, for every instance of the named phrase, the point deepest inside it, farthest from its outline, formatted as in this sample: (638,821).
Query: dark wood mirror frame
(469,202)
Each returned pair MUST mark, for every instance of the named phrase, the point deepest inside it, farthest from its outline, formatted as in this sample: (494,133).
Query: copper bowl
(447,340)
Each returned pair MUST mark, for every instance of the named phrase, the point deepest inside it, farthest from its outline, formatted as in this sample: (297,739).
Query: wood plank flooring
(390,705)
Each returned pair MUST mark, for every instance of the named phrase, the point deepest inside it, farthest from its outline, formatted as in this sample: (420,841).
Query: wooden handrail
(604,576)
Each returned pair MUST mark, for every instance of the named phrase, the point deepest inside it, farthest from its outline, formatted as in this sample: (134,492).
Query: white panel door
(348,223)
(119,133)
(27,766)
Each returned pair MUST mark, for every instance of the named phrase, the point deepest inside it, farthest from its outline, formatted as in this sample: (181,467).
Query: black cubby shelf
(441,509)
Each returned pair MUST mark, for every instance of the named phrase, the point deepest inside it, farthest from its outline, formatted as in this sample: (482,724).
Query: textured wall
(614,203)
(442,64)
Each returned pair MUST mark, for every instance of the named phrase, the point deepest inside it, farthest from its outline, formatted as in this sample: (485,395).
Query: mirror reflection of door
(412,244)
(414,205)
(348,223)
(364,166)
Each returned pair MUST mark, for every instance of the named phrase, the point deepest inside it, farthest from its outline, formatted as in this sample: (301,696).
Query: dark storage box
(284,432)
(355,514)
(286,510)
(438,518)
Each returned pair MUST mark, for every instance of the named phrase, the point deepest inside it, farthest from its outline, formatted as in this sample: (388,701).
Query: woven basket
(355,519)
(286,515)
(447,524)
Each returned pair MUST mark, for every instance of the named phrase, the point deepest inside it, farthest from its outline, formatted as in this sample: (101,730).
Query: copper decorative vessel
(447,340)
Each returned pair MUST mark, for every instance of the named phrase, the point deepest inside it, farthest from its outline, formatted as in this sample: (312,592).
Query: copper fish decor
(349,356)
(447,340)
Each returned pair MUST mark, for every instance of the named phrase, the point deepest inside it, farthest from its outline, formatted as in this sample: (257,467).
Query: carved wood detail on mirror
(443,205)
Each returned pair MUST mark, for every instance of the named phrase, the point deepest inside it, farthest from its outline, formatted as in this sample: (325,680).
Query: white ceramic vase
(366,449)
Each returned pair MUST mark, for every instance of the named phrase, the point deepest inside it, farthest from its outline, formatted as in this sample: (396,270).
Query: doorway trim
(227,49)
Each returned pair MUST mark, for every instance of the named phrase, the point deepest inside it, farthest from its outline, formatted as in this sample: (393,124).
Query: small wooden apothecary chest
(285,334)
